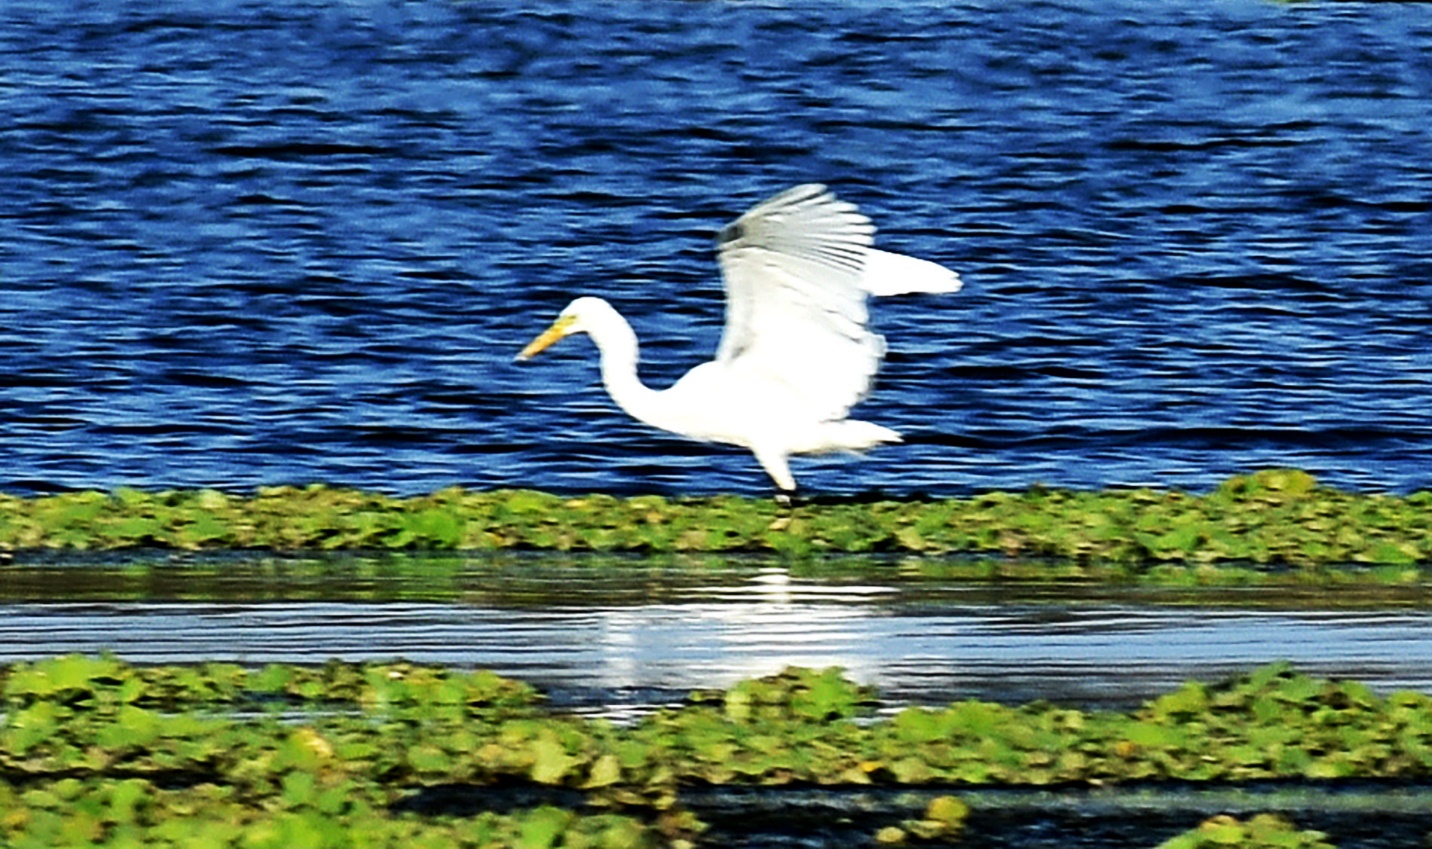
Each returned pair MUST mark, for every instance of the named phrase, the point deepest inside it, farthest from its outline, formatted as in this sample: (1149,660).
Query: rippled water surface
(621,635)
(618,637)
(263,242)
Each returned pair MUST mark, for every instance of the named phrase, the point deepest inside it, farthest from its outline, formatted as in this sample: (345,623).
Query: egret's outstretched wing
(795,299)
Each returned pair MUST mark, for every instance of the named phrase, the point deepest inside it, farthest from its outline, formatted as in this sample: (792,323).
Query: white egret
(796,353)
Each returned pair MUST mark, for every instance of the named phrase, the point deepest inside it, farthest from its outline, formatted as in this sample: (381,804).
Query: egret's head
(567,323)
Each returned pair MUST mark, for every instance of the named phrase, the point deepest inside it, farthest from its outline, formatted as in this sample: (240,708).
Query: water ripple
(289,242)
(614,637)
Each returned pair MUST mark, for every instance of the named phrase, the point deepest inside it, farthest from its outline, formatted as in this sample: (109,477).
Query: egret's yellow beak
(560,328)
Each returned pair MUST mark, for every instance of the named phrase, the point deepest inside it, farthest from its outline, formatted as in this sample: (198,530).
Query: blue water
(248,243)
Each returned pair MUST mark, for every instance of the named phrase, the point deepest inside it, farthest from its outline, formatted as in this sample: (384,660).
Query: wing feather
(795,300)
(895,274)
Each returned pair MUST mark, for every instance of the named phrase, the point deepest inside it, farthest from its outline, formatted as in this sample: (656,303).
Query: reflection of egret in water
(728,633)
(1089,652)
(620,639)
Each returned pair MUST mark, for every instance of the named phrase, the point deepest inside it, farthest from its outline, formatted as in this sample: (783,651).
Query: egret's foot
(785,505)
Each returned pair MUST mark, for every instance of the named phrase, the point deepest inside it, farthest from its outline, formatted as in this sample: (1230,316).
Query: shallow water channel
(618,636)
(622,633)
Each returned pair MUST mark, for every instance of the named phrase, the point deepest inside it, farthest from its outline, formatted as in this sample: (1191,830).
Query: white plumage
(797,352)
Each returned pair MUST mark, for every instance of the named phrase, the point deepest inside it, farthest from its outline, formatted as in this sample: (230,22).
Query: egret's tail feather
(848,435)
(894,274)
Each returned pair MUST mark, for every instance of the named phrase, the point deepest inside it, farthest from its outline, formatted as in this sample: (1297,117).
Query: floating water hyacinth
(96,751)
(1263,831)
(1272,517)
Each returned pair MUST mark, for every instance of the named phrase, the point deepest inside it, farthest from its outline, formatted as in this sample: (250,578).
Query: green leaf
(550,761)
(1151,735)
(298,788)
(542,827)
(606,771)
(127,797)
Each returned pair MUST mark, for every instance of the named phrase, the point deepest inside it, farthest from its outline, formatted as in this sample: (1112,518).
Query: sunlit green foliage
(1263,831)
(1273,517)
(943,821)
(135,812)
(96,751)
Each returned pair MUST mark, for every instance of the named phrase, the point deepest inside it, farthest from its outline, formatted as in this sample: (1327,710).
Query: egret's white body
(796,354)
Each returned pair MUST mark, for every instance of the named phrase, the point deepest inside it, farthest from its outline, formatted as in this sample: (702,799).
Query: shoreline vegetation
(98,752)
(1272,518)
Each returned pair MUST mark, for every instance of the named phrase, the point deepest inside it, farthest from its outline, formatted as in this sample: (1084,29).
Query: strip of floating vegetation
(1261,832)
(94,751)
(1272,517)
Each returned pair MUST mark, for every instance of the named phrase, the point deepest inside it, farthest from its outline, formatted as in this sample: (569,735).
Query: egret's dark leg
(785,509)
(775,463)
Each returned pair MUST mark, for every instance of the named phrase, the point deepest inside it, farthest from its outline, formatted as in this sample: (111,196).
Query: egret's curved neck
(616,342)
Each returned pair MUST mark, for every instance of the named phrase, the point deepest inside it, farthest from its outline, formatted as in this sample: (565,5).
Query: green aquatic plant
(405,724)
(943,821)
(793,693)
(1275,517)
(1263,831)
(135,812)
(95,749)
(102,682)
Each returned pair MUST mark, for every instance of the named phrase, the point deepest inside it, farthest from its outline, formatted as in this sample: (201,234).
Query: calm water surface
(259,242)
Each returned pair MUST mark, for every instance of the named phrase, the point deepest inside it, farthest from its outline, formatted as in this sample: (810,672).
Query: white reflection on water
(1083,652)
